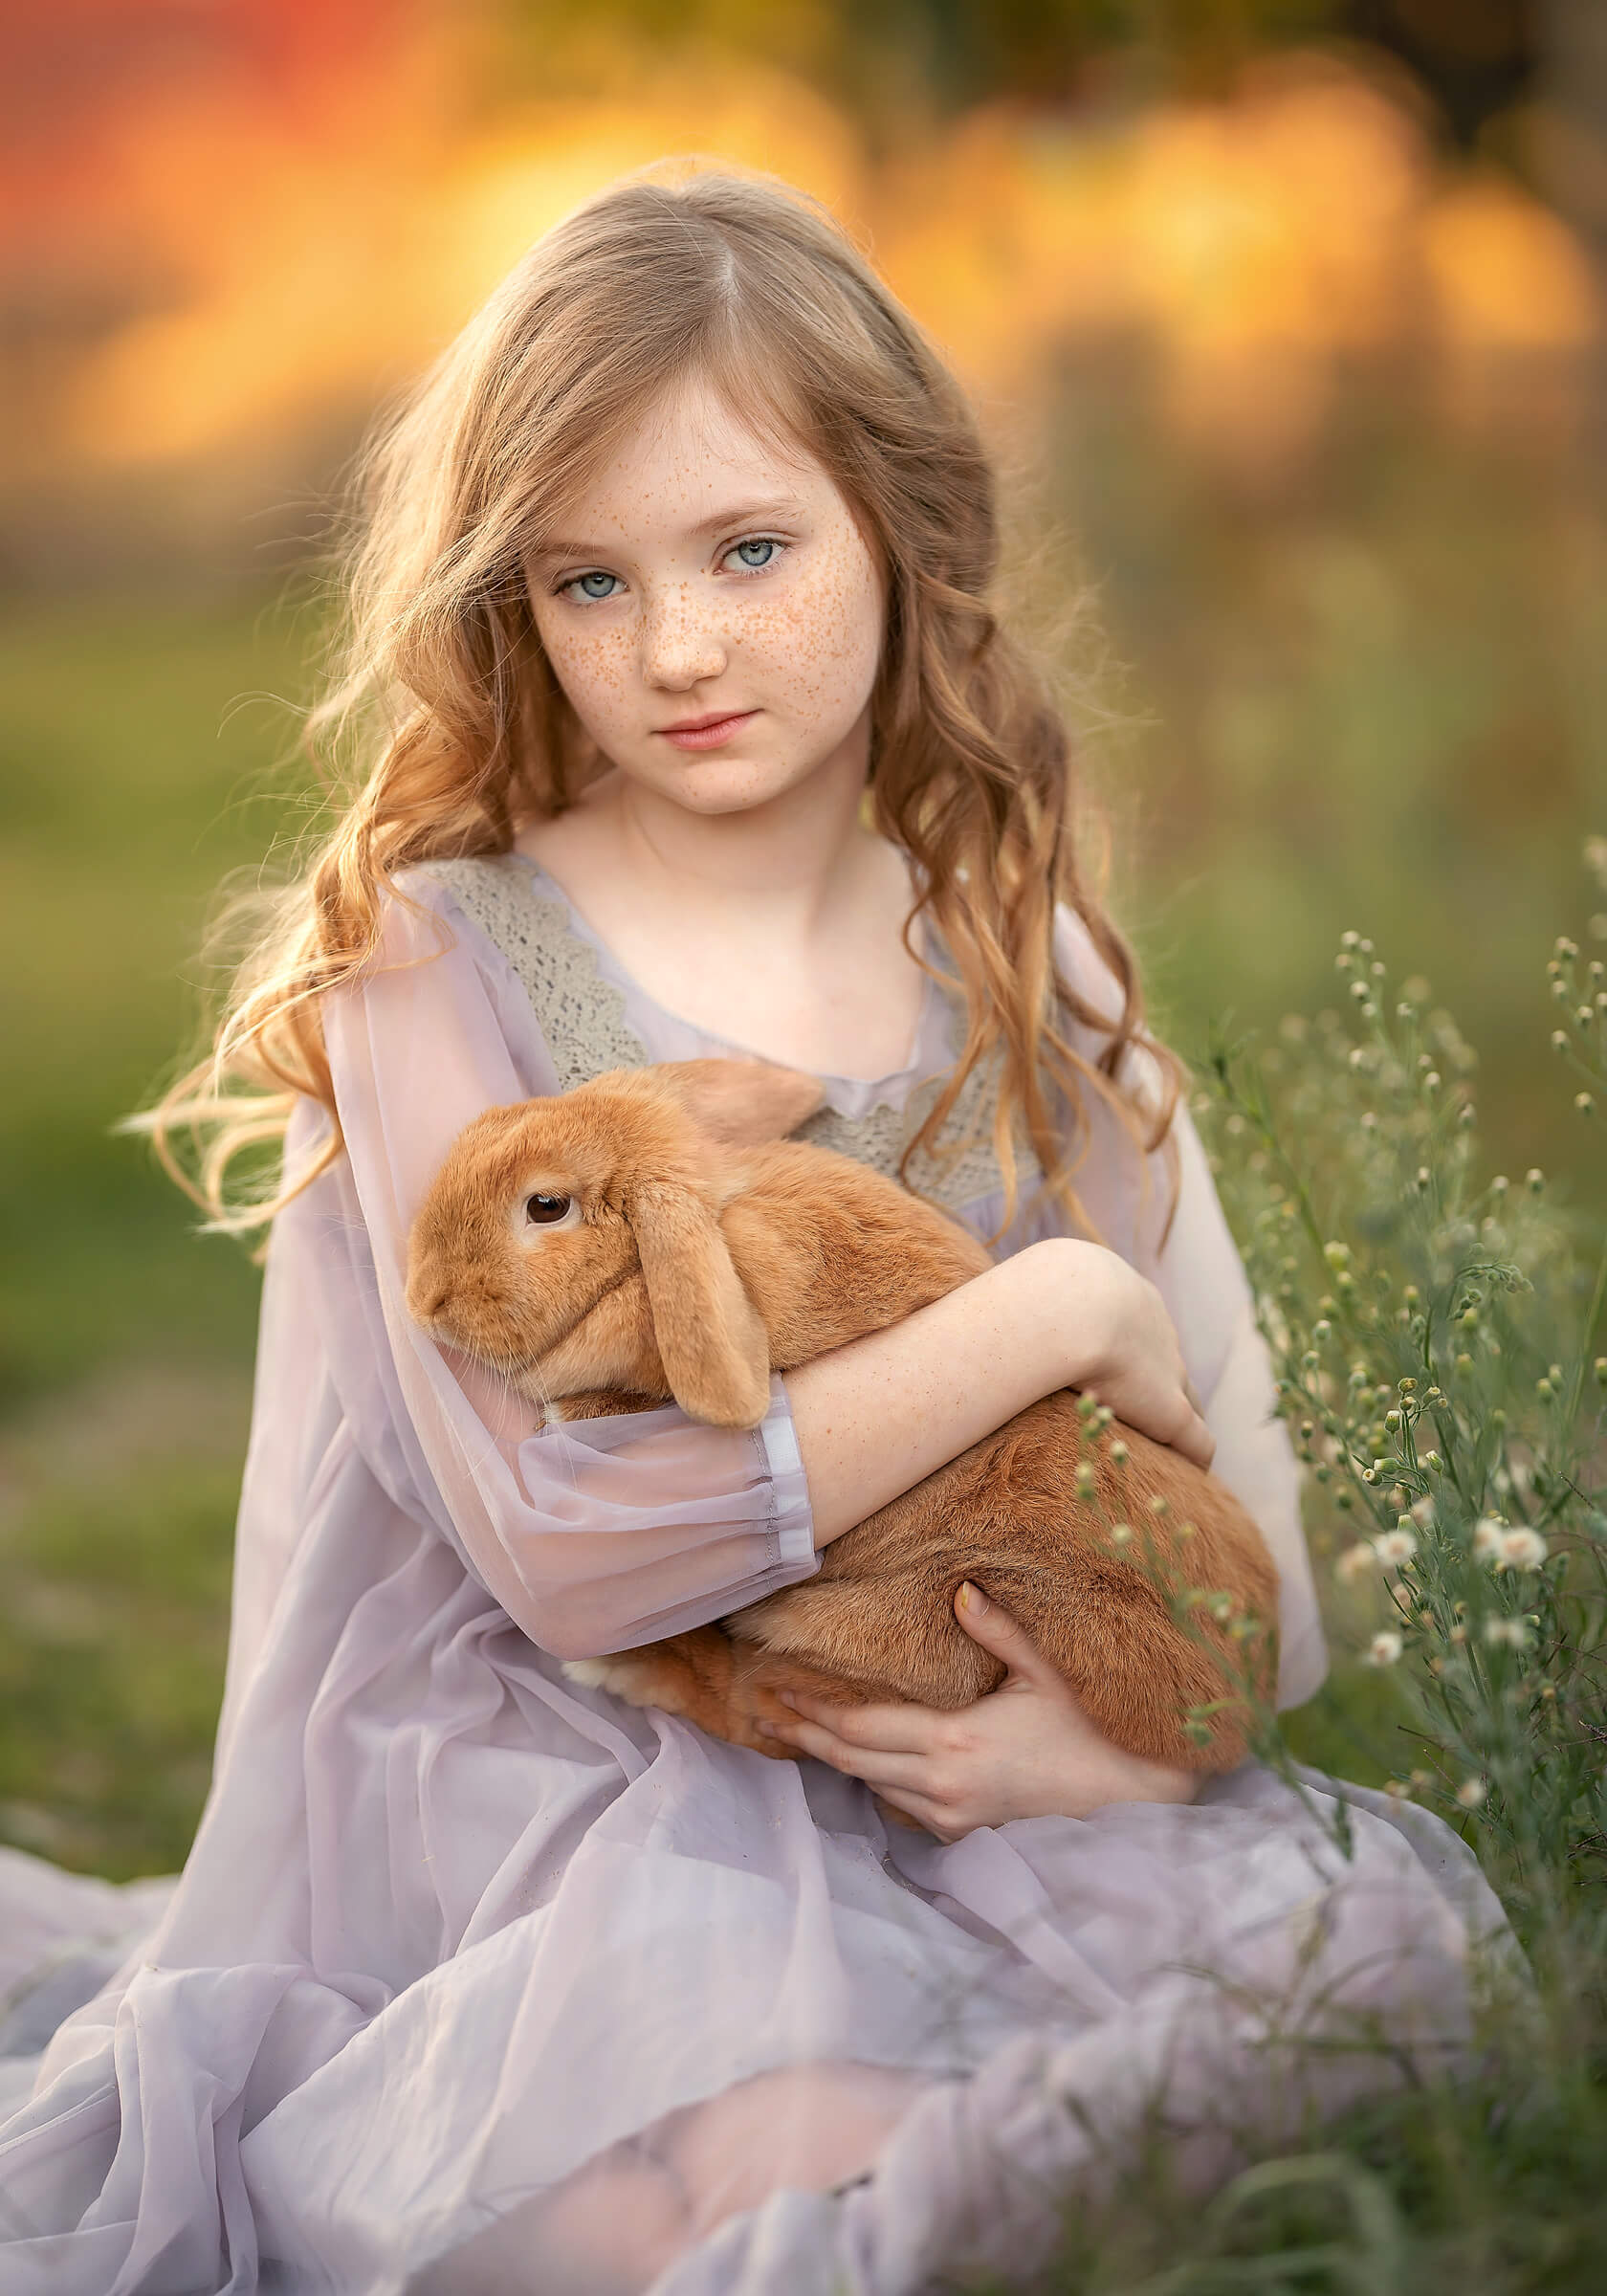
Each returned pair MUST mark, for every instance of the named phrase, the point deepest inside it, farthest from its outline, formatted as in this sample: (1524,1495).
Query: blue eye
(592,588)
(759,550)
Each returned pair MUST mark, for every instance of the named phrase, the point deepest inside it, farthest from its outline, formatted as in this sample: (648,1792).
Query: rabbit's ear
(715,1350)
(741,1103)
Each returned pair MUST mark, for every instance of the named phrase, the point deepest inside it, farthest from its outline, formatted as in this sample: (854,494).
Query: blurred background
(1289,316)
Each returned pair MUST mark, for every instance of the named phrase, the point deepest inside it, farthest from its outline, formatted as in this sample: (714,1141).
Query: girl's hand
(1027,1750)
(1125,1348)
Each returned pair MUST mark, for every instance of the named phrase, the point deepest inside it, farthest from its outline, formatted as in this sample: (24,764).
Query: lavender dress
(477,1979)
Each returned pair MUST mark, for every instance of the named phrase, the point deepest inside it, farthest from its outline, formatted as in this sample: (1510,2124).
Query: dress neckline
(929,1050)
(595,1016)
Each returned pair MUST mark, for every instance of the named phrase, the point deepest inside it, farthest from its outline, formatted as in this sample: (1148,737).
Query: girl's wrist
(1113,1776)
(1140,1780)
(1067,1308)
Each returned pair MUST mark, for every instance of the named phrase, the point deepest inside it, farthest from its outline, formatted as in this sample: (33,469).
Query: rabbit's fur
(701,1250)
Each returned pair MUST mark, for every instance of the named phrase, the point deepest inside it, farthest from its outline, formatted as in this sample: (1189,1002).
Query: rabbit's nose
(429,1299)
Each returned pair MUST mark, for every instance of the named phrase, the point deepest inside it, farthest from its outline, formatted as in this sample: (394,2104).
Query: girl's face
(713,611)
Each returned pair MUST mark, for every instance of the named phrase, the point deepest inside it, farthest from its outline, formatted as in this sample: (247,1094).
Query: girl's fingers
(878,1769)
(924,1812)
(1196,1440)
(881,1728)
(1193,1438)
(997,1631)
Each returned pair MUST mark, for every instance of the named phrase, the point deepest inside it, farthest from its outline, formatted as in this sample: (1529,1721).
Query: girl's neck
(794,865)
(777,927)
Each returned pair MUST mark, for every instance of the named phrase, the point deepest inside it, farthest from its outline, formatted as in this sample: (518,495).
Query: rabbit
(654,1235)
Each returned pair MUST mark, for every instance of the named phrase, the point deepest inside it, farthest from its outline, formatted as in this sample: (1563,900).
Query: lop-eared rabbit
(654,1235)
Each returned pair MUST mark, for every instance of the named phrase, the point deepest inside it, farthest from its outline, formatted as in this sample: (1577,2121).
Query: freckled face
(706,574)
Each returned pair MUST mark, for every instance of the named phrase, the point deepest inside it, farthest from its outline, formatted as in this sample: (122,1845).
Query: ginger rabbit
(654,1235)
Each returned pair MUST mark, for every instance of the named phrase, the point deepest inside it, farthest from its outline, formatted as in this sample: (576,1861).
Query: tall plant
(1438,1335)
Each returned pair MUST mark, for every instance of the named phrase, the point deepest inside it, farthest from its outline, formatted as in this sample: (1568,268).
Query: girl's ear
(715,1350)
(740,1103)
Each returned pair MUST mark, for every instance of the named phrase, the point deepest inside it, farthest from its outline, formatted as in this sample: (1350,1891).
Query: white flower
(1489,1533)
(1393,1548)
(1471,1792)
(1512,1631)
(1522,1550)
(1353,1561)
(1384,1648)
(1423,1514)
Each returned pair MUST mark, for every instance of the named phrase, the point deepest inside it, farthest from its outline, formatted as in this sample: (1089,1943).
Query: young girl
(689,729)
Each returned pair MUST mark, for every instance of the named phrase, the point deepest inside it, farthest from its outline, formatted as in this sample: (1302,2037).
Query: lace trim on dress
(584,1018)
(581,1015)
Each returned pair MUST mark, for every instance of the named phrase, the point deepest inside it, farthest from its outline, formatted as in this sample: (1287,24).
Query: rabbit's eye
(543,1211)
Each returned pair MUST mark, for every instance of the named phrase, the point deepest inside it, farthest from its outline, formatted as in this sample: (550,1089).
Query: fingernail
(788,1698)
(973,1597)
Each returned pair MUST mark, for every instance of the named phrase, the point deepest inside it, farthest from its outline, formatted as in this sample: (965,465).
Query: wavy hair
(444,727)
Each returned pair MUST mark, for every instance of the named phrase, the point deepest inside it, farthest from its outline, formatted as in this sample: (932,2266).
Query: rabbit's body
(788,1250)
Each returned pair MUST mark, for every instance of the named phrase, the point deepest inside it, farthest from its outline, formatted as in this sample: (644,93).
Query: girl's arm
(878,1416)
(1027,1750)
(594,1536)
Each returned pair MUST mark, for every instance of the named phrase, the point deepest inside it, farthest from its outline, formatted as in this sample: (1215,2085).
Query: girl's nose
(680,648)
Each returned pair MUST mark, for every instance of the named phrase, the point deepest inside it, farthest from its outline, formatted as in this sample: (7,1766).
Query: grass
(130,784)
(1493,2189)
(117,1567)
(133,778)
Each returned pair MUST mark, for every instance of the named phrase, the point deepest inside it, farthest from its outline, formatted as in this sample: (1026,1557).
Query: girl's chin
(713,781)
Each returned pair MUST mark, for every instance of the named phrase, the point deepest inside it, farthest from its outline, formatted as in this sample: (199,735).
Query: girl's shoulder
(549,983)
(426,906)
(490,891)
(452,923)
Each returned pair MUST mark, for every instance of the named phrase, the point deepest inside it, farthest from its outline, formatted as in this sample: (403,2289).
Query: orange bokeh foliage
(276,209)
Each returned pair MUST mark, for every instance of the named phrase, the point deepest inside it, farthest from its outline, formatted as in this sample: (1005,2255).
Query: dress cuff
(792,1519)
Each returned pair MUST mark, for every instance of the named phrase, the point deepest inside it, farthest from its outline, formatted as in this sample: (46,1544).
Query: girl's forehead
(689,459)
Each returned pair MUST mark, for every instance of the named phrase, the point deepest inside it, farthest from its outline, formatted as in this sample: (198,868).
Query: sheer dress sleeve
(595,1536)
(1195,1265)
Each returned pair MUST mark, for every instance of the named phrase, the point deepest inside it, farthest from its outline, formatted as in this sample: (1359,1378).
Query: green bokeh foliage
(1370,698)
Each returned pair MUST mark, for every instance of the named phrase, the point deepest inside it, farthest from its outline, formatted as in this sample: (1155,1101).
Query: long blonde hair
(456,729)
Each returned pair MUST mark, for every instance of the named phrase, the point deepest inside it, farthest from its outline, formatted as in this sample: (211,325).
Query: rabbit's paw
(621,1674)
(688,1674)
(591,1673)
(637,1676)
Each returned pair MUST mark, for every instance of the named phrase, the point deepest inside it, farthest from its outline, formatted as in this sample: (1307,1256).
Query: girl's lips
(710,736)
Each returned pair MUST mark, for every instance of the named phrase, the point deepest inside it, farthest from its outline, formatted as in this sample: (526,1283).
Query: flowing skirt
(852,2064)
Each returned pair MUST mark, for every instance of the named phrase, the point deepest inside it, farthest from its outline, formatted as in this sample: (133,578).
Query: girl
(689,729)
